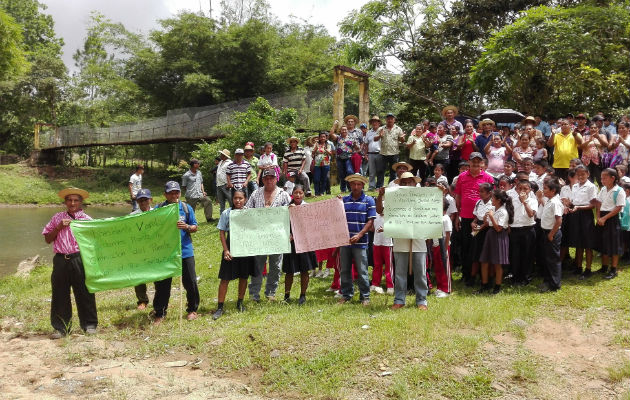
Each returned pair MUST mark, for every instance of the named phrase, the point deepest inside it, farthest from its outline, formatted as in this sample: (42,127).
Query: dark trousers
(141,294)
(562,173)
(388,163)
(419,168)
(163,289)
(522,242)
(552,254)
(344,168)
(466,247)
(68,273)
(595,173)
(539,256)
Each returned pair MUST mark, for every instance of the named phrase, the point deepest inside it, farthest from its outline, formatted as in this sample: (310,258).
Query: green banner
(413,213)
(130,250)
(259,231)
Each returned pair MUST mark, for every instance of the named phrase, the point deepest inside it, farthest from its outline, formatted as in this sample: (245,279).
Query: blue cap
(363,126)
(143,194)
(171,186)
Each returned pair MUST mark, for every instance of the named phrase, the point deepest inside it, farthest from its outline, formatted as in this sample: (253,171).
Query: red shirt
(467,147)
(468,190)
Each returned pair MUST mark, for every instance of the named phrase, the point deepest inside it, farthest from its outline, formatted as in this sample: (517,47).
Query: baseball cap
(475,154)
(239,151)
(143,194)
(171,186)
(269,172)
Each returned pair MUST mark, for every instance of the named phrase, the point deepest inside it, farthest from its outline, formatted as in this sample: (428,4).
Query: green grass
(320,350)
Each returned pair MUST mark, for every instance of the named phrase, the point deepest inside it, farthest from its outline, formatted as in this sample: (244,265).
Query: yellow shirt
(417,151)
(565,149)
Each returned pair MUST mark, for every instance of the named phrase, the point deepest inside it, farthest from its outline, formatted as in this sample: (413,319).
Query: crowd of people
(516,199)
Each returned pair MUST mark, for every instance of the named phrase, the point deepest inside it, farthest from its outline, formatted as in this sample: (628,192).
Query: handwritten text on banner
(413,213)
(319,225)
(259,231)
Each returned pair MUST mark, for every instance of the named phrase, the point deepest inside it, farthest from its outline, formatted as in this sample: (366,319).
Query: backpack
(624,215)
(186,211)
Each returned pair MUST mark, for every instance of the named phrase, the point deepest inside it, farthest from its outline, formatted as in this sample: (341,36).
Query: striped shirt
(294,159)
(358,213)
(64,243)
(238,173)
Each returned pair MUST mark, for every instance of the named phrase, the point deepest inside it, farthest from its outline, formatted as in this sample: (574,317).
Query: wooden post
(36,137)
(364,101)
(338,95)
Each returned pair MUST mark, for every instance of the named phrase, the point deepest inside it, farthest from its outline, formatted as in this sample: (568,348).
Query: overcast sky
(71,16)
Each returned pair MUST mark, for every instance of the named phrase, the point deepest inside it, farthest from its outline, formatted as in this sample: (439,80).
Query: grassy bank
(20,184)
(464,347)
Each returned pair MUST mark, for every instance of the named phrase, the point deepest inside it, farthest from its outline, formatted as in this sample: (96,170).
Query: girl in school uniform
(581,229)
(523,233)
(496,246)
(232,268)
(438,174)
(568,236)
(480,224)
(440,254)
(294,262)
(610,202)
(551,210)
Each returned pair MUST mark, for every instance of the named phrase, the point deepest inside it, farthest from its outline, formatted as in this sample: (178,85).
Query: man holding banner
(360,215)
(187,224)
(144,204)
(68,269)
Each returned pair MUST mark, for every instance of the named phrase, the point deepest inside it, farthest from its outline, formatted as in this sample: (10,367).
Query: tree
(557,60)
(12,58)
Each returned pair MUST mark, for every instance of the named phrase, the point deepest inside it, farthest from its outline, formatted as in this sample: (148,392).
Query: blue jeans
(375,168)
(320,176)
(134,205)
(419,268)
(251,186)
(273,276)
(344,168)
(346,254)
(223,194)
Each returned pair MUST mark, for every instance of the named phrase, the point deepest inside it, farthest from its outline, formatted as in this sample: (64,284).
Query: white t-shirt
(553,208)
(379,237)
(447,226)
(452,206)
(136,183)
(582,195)
(482,208)
(288,187)
(566,192)
(607,198)
(501,217)
(521,218)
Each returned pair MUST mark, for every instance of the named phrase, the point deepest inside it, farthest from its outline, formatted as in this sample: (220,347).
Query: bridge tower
(340,73)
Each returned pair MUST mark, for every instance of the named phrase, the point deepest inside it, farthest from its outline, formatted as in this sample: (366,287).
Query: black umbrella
(503,115)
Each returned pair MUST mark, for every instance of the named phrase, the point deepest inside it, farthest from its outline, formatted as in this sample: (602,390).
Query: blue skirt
(579,230)
(609,236)
(496,247)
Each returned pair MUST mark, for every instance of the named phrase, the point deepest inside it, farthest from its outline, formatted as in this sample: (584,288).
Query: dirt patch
(35,366)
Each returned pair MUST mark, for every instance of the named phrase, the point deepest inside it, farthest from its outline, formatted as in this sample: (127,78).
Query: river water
(21,232)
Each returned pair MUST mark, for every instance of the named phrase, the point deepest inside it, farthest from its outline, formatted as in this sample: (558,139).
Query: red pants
(336,284)
(326,255)
(382,256)
(442,269)
(356,159)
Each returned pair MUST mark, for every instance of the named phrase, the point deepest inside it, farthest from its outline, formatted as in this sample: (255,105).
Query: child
(528,166)
(625,219)
(432,138)
(440,252)
(540,153)
(581,230)
(233,267)
(566,196)
(505,183)
(289,185)
(622,171)
(496,246)
(508,168)
(551,210)
(439,176)
(382,254)
(480,225)
(356,159)
(268,160)
(540,172)
(294,262)
(522,233)
(463,167)
(610,202)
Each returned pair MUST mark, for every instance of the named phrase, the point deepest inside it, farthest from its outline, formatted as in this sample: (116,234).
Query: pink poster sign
(319,225)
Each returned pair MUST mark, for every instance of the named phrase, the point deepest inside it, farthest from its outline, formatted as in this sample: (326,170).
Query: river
(21,234)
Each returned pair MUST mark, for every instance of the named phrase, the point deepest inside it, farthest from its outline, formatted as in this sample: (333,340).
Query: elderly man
(351,121)
(238,172)
(187,225)
(144,204)
(68,272)
(223,192)
(375,161)
(192,181)
(400,168)
(390,136)
(487,126)
(270,195)
(466,196)
(449,113)
(402,257)
(360,214)
(542,126)
(565,147)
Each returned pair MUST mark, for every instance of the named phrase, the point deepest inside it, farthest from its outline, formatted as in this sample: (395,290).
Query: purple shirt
(64,243)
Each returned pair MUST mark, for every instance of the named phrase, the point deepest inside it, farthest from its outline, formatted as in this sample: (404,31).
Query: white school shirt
(539,179)
(442,179)
(379,237)
(624,179)
(447,226)
(482,208)
(521,219)
(402,246)
(582,195)
(501,217)
(607,200)
(553,208)
(566,192)
(514,195)
(452,206)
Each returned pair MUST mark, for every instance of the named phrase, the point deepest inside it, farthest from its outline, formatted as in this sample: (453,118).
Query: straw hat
(398,164)
(374,118)
(225,152)
(72,190)
(447,108)
(357,177)
(311,139)
(486,121)
(350,116)
(297,139)
(407,175)
(527,119)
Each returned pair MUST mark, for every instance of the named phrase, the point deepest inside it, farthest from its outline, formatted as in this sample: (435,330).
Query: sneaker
(483,289)
(58,335)
(90,330)
(192,316)
(217,314)
(325,273)
(271,298)
(315,274)
(390,291)
(603,270)
(240,307)
(365,303)
(496,289)
(338,295)
(545,288)
(440,294)
(142,306)
(372,288)
(585,275)
(397,306)
(158,320)
(611,274)
(378,290)
(422,307)
(331,290)
(302,300)
(343,300)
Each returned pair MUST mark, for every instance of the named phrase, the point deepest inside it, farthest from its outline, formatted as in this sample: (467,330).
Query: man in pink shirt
(68,268)
(466,196)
